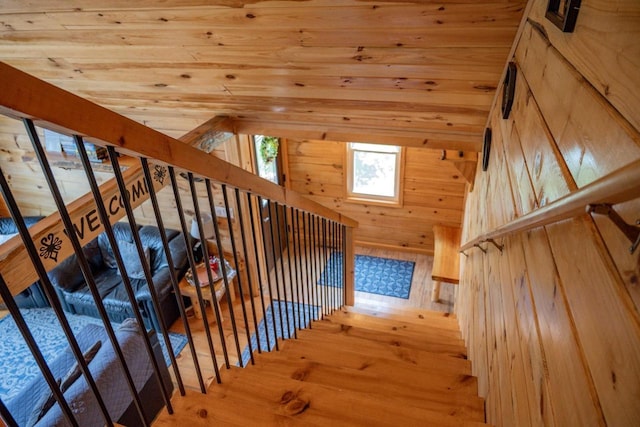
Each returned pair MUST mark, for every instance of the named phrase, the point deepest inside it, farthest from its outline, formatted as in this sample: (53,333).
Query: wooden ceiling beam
(406,138)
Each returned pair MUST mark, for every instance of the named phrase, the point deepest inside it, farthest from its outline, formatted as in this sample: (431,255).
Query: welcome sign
(51,239)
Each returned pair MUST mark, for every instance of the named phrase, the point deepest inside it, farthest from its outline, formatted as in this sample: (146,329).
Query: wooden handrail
(617,187)
(25,96)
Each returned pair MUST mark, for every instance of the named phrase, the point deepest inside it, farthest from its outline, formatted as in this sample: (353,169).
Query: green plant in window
(269,148)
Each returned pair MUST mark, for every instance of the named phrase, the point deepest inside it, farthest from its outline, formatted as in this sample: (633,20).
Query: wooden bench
(446,259)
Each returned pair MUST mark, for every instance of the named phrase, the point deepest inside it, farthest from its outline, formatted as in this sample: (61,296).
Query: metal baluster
(249,279)
(51,297)
(297,250)
(223,267)
(257,259)
(205,252)
(145,267)
(338,270)
(108,230)
(319,268)
(327,249)
(88,276)
(192,264)
(307,269)
(284,286)
(35,351)
(291,287)
(314,271)
(338,259)
(268,273)
(238,276)
(326,266)
(334,262)
(161,174)
(317,262)
(327,253)
(343,231)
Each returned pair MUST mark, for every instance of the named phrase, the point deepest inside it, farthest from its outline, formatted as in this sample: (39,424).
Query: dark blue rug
(18,366)
(268,335)
(374,275)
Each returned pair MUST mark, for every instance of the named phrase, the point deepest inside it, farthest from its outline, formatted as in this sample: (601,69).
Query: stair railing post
(349,267)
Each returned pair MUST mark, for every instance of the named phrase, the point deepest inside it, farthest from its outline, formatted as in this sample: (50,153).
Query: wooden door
(271,169)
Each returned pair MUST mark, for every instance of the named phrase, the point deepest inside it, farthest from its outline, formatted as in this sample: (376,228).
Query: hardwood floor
(421,285)
(420,297)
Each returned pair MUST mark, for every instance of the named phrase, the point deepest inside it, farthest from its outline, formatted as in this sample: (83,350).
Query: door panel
(271,171)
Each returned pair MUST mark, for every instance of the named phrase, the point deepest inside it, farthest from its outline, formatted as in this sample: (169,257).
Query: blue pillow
(131,260)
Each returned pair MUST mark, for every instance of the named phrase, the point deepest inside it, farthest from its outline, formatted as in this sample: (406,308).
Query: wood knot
(287,397)
(364,366)
(202,413)
(296,406)
(299,375)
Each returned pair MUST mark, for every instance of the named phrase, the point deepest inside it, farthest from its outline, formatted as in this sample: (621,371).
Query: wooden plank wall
(552,323)
(433,194)
(22,170)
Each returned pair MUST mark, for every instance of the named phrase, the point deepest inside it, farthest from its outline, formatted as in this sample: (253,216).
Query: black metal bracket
(563,14)
(463,253)
(493,242)
(486,149)
(477,245)
(631,231)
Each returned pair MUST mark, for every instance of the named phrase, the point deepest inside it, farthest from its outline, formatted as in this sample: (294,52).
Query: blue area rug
(18,366)
(293,309)
(374,275)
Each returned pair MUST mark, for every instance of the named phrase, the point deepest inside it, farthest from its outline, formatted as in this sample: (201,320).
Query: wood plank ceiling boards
(418,73)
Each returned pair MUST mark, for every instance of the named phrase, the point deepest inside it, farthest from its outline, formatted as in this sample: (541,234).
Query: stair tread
(417,317)
(454,395)
(408,313)
(326,403)
(358,366)
(393,325)
(352,348)
(456,350)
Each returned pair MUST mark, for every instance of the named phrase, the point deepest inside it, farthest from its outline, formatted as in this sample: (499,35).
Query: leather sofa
(33,296)
(76,297)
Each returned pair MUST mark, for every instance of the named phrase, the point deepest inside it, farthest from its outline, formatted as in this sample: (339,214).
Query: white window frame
(352,196)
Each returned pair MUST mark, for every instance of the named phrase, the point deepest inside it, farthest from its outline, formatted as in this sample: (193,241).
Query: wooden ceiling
(419,73)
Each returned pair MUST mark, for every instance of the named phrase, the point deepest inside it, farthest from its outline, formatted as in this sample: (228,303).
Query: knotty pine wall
(24,174)
(552,323)
(433,194)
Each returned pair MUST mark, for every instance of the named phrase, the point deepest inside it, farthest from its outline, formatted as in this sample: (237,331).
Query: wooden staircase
(358,366)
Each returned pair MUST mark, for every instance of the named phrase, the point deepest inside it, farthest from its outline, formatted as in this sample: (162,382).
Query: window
(266,149)
(373,173)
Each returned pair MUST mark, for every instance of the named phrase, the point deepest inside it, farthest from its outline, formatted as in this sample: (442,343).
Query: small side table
(189,291)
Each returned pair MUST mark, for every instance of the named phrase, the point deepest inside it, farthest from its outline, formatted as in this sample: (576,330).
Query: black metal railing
(286,263)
